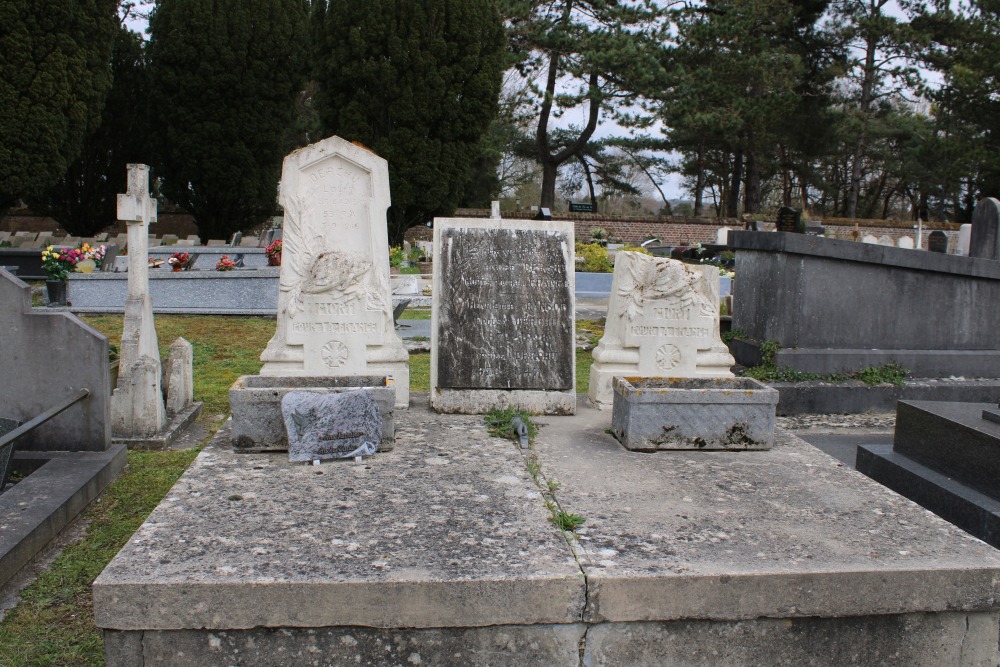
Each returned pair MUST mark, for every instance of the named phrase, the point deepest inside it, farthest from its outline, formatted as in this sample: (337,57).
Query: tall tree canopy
(417,81)
(225,75)
(593,54)
(54,75)
(84,200)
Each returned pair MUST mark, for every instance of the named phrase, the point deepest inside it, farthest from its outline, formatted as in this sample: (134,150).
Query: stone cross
(137,408)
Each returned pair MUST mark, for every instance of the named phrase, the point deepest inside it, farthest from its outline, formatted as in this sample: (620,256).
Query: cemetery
(661,516)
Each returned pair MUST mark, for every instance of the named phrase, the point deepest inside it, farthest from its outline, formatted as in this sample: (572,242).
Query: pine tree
(224,76)
(593,54)
(54,76)
(417,81)
(84,200)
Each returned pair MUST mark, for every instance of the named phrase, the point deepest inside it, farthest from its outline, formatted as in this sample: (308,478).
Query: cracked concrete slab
(441,552)
(448,529)
(740,535)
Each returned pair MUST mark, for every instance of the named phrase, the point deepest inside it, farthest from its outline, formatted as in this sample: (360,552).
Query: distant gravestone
(985,238)
(886,241)
(868,238)
(331,426)
(788,219)
(663,320)
(503,316)
(937,241)
(964,239)
(334,303)
(905,242)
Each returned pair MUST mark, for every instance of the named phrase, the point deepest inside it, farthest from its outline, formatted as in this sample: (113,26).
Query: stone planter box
(650,414)
(205,257)
(255,402)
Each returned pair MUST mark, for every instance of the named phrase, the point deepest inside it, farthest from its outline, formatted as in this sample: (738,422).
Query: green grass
(416,314)
(224,348)
(54,622)
(498,423)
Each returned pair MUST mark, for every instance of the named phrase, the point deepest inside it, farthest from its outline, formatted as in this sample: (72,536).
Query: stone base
(920,363)
(173,430)
(481,401)
(441,552)
(255,403)
(651,414)
(910,640)
(963,506)
(60,486)
(944,457)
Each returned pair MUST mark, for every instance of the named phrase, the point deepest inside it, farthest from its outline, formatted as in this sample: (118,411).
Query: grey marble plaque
(505,319)
(331,426)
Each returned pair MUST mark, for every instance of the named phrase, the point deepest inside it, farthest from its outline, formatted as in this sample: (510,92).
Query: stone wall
(690,230)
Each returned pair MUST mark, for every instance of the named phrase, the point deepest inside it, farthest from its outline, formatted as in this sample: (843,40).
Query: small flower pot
(57,292)
(274,260)
(177,269)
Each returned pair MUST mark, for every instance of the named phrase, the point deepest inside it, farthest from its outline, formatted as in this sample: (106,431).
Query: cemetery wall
(690,230)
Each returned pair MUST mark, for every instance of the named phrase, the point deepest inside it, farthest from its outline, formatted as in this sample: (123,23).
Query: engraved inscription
(505,319)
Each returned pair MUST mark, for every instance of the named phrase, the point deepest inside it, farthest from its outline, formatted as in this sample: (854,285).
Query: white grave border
(479,401)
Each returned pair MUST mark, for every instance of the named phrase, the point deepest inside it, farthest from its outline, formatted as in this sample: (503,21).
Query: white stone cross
(136,205)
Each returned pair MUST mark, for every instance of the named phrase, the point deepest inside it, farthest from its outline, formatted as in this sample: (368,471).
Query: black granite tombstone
(506,318)
(937,241)
(789,219)
(943,457)
(985,239)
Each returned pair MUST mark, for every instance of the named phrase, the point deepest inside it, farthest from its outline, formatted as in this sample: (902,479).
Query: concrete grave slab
(444,547)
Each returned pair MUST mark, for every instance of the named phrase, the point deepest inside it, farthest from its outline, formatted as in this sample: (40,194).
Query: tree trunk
(699,182)
(751,188)
(733,196)
(867,90)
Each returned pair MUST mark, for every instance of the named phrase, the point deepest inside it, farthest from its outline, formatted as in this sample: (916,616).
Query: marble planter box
(255,402)
(650,414)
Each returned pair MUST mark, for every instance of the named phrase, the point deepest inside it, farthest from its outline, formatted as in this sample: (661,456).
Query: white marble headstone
(905,242)
(868,238)
(663,320)
(334,305)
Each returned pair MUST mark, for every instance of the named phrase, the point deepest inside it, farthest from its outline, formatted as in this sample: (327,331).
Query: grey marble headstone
(506,315)
(331,426)
(985,241)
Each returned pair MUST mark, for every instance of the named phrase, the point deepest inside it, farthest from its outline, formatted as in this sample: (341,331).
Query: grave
(502,324)
(139,416)
(443,552)
(49,358)
(944,456)
(663,319)
(856,305)
(905,242)
(334,305)
(788,220)
(937,241)
(984,239)
(137,409)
